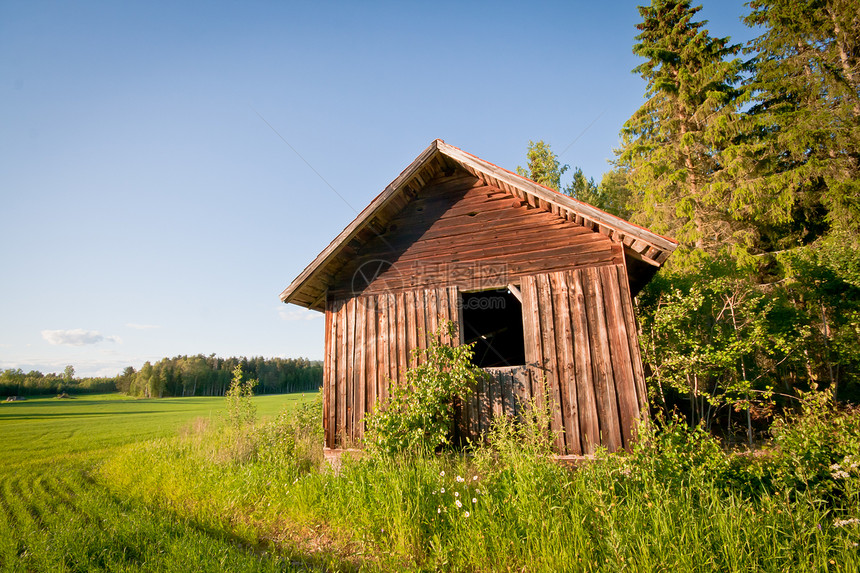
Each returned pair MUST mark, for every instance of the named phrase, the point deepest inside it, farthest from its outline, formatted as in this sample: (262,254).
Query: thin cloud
(76,337)
(293,314)
(142,326)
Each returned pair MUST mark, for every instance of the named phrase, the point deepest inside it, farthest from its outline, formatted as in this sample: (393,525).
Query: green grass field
(54,516)
(104,483)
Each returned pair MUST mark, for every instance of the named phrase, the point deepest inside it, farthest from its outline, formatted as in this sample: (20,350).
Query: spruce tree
(796,169)
(671,147)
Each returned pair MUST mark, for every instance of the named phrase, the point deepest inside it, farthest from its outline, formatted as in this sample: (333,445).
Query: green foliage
(240,409)
(673,143)
(543,166)
(795,162)
(294,438)
(818,451)
(529,436)
(419,415)
(671,452)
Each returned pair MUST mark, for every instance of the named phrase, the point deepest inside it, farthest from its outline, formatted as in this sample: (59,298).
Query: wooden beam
(516,292)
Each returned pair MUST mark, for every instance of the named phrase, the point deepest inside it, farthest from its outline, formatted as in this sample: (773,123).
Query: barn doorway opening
(493,320)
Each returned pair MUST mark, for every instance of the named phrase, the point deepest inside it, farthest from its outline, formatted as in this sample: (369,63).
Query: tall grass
(677,503)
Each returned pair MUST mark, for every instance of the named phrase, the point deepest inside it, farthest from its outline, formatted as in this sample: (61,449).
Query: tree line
(201,375)
(749,156)
(197,375)
(16,382)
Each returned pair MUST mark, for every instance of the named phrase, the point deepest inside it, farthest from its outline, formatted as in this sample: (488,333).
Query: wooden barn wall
(370,341)
(581,340)
(459,231)
(581,350)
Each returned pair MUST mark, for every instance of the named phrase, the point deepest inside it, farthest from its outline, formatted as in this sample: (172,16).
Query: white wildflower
(456,494)
(438,510)
(442,490)
(459,479)
(475,478)
(442,473)
(474,500)
(466,514)
(457,503)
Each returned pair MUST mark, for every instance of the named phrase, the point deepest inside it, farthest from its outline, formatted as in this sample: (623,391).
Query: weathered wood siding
(581,351)
(460,231)
(370,341)
(581,343)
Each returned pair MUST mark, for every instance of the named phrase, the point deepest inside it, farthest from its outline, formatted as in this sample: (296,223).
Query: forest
(749,156)
(196,375)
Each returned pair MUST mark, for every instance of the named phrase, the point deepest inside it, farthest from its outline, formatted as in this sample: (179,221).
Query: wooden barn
(541,282)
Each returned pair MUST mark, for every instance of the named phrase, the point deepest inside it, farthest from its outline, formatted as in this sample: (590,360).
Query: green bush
(419,415)
(817,450)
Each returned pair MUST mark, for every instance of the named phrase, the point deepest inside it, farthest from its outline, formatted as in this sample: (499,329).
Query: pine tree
(672,145)
(797,167)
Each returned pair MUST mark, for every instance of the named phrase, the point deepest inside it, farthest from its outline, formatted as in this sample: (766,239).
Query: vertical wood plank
(343,373)
(361,367)
(607,402)
(411,326)
(351,374)
(633,339)
(550,360)
(327,368)
(533,337)
(421,320)
(444,297)
(331,386)
(432,298)
(400,328)
(566,366)
(383,350)
(622,367)
(510,393)
(521,383)
(589,426)
(393,339)
(372,364)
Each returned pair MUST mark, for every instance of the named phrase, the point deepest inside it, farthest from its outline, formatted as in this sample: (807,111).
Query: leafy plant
(240,410)
(818,450)
(419,414)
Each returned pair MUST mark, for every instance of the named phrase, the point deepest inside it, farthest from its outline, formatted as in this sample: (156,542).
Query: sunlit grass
(55,517)
(508,511)
(145,485)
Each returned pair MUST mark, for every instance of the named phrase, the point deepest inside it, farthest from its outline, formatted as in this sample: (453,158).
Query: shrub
(294,438)
(818,450)
(419,414)
(240,410)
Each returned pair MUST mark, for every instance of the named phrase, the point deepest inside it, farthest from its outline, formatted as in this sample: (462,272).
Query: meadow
(56,516)
(165,485)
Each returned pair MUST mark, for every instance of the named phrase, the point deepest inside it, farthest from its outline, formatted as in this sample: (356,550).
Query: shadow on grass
(267,552)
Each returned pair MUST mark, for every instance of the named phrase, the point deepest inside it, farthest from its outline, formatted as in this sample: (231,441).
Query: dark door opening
(493,320)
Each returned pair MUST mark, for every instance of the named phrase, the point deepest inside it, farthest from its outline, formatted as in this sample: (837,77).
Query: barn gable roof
(647,250)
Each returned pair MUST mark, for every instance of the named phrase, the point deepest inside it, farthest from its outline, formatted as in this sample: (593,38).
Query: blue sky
(148,209)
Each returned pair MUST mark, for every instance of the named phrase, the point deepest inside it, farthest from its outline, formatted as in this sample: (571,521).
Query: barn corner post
(542,284)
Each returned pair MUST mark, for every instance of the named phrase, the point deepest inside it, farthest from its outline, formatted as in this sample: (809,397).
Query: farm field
(54,516)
